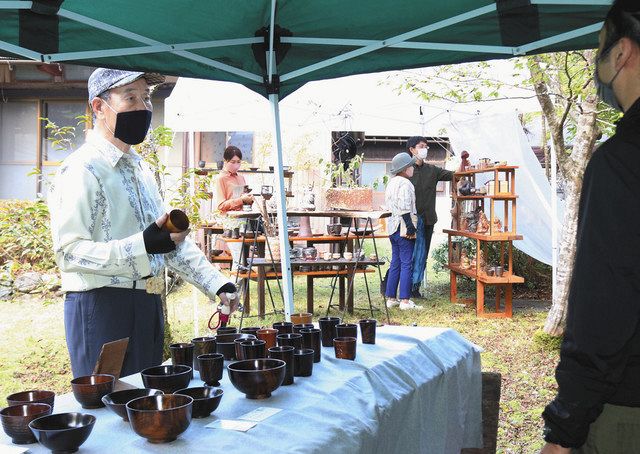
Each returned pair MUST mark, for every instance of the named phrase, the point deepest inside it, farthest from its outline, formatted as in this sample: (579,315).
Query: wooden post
(479,297)
(453,287)
(310,294)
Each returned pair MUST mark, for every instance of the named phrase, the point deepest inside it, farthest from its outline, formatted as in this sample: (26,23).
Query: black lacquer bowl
(257,378)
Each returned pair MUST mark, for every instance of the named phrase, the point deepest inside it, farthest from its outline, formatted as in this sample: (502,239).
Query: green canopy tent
(275,46)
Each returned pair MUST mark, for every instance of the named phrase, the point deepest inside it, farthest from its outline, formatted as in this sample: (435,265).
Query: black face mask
(132,126)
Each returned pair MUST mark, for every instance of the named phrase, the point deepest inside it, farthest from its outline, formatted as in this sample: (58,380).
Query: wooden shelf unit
(504,283)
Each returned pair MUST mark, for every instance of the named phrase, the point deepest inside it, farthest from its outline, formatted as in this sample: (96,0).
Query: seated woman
(229,187)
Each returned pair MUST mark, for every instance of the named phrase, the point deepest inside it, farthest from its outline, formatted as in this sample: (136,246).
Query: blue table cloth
(417,390)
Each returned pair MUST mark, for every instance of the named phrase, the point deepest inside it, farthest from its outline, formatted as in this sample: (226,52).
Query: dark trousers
(421,253)
(400,268)
(97,316)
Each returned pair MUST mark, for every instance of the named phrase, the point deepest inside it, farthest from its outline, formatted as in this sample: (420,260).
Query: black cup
(311,339)
(211,367)
(368,330)
(182,354)
(328,329)
(300,326)
(347,330)
(227,330)
(250,330)
(303,362)
(293,339)
(253,349)
(202,346)
(283,327)
(285,353)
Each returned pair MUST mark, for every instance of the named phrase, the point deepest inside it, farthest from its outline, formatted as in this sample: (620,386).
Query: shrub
(26,237)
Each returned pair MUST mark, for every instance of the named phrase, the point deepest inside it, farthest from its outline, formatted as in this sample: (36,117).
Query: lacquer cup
(182,354)
(211,367)
(253,349)
(177,222)
(300,326)
(268,335)
(311,339)
(328,329)
(16,419)
(202,346)
(285,353)
(250,330)
(283,327)
(303,362)
(293,339)
(227,330)
(345,347)
(368,330)
(89,389)
(347,330)
(301,317)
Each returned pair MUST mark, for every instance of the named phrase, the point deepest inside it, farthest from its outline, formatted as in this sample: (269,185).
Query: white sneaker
(392,303)
(409,305)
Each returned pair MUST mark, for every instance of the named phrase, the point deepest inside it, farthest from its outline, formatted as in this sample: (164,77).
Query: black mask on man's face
(132,126)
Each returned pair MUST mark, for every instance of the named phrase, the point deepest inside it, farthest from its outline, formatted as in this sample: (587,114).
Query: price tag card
(260,414)
(231,424)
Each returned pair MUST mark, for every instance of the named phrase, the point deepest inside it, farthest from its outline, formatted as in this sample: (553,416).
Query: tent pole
(554,219)
(285,261)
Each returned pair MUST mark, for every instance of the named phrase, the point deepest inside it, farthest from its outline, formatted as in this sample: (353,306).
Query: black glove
(411,230)
(156,240)
(227,288)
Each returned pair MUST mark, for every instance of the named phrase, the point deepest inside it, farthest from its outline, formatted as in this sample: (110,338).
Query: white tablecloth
(417,390)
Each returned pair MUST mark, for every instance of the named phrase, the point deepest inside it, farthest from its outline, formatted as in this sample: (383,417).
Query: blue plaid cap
(103,79)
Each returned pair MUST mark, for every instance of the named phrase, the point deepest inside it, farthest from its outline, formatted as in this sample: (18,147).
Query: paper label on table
(10,449)
(260,414)
(231,424)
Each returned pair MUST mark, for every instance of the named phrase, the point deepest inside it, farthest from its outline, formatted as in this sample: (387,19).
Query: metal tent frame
(272,79)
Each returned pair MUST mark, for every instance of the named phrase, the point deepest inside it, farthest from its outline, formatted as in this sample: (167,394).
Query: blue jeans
(400,268)
(421,252)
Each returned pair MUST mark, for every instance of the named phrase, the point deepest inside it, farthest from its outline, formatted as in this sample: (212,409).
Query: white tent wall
(501,137)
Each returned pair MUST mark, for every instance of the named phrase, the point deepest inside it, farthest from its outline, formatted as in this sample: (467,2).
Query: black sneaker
(415,293)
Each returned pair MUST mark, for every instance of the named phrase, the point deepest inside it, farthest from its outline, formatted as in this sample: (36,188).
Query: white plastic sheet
(500,137)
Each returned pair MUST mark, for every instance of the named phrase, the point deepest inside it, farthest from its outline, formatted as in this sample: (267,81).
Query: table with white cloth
(417,390)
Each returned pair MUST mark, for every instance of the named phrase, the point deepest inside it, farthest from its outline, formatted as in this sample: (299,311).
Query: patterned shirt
(400,198)
(100,202)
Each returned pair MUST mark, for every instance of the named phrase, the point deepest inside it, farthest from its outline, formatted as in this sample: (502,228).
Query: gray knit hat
(103,79)
(401,161)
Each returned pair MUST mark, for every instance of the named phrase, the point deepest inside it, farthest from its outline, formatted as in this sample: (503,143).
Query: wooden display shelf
(323,273)
(499,196)
(483,237)
(504,279)
(314,239)
(487,169)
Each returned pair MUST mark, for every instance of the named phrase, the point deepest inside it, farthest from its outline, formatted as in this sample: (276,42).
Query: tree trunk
(574,168)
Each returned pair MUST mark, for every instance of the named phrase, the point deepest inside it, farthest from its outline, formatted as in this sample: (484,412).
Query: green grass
(33,352)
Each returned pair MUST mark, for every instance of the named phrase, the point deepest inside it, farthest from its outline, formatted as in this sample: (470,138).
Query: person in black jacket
(597,408)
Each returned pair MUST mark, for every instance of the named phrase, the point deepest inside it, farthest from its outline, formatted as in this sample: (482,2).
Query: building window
(372,171)
(63,114)
(18,149)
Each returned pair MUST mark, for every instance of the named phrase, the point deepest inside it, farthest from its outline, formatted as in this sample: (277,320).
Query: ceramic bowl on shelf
(257,378)
(117,400)
(334,229)
(63,432)
(160,419)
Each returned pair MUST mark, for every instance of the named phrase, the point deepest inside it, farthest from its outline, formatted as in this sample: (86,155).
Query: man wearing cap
(425,179)
(106,219)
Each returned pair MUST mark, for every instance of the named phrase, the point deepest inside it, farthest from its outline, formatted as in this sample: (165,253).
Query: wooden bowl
(16,419)
(33,396)
(257,378)
(89,389)
(63,432)
(167,378)
(205,399)
(117,400)
(160,419)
